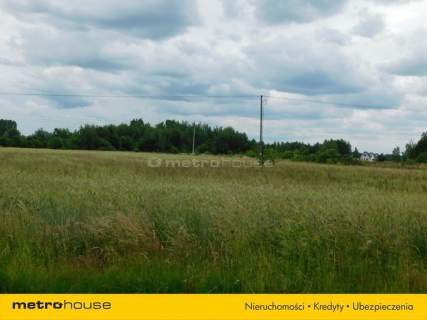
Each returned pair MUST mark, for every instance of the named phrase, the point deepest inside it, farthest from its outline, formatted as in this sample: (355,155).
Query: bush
(55,143)
(251,154)
(104,145)
(270,154)
(287,155)
(4,142)
(422,158)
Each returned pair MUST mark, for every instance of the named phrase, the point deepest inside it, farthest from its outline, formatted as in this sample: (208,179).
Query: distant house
(369,156)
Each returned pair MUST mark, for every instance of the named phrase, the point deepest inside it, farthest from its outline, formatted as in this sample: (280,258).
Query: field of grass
(75,221)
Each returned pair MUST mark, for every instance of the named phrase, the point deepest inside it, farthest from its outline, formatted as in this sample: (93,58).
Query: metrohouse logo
(64,305)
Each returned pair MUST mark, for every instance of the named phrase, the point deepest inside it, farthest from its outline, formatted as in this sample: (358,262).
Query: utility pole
(261,140)
(194,137)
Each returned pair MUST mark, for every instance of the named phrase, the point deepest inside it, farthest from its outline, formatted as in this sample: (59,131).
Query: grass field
(106,222)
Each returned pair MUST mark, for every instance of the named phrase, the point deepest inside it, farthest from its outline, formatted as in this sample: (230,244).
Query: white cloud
(372,62)
(369,24)
(413,57)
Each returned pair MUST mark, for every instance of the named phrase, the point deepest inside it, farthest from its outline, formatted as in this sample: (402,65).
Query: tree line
(340,151)
(173,136)
(168,137)
(330,151)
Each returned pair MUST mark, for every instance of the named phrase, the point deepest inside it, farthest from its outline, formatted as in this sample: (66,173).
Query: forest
(173,136)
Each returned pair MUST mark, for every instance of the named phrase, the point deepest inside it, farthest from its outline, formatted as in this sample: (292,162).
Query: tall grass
(106,222)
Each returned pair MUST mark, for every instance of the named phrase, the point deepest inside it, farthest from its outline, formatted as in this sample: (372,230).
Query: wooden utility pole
(194,137)
(261,140)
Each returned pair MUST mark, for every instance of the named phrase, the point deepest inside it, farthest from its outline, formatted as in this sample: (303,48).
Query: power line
(359,106)
(187,96)
(182,96)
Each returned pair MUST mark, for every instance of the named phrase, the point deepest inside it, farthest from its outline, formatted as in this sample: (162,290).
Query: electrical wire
(189,96)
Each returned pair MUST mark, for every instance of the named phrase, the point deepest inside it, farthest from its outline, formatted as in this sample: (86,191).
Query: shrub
(422,158)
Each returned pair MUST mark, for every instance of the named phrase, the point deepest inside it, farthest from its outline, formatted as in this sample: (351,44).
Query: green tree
(396,155)
(9,134)
(410,150)
(356,154)
(421,146)
(8,128)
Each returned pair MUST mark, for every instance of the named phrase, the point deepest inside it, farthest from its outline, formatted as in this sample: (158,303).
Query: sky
(364,60)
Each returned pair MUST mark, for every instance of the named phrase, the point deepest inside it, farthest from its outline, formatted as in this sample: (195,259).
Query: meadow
(81,221)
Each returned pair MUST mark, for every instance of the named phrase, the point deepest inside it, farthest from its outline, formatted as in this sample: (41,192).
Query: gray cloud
(242,47)
(392,2)
(68,102)
(290,64)
(316,81)
(87,50)
(7,62)
(288,11)
(304,64)
(62,83)
(409,66)
(413,62)
(381,96)
(333,36)
(154,19)
(297,11)
(369,24)
(235,8)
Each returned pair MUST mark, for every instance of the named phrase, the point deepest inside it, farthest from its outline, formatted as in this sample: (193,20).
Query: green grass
(106,222)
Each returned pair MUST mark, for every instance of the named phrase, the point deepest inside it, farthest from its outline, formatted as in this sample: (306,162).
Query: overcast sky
(366,60)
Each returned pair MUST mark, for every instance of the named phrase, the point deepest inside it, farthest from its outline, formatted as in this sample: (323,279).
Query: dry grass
(76,221)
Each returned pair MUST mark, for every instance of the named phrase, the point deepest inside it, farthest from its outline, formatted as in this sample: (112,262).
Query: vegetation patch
(81,221)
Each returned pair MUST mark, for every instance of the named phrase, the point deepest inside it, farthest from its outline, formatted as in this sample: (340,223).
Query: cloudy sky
(365,60)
